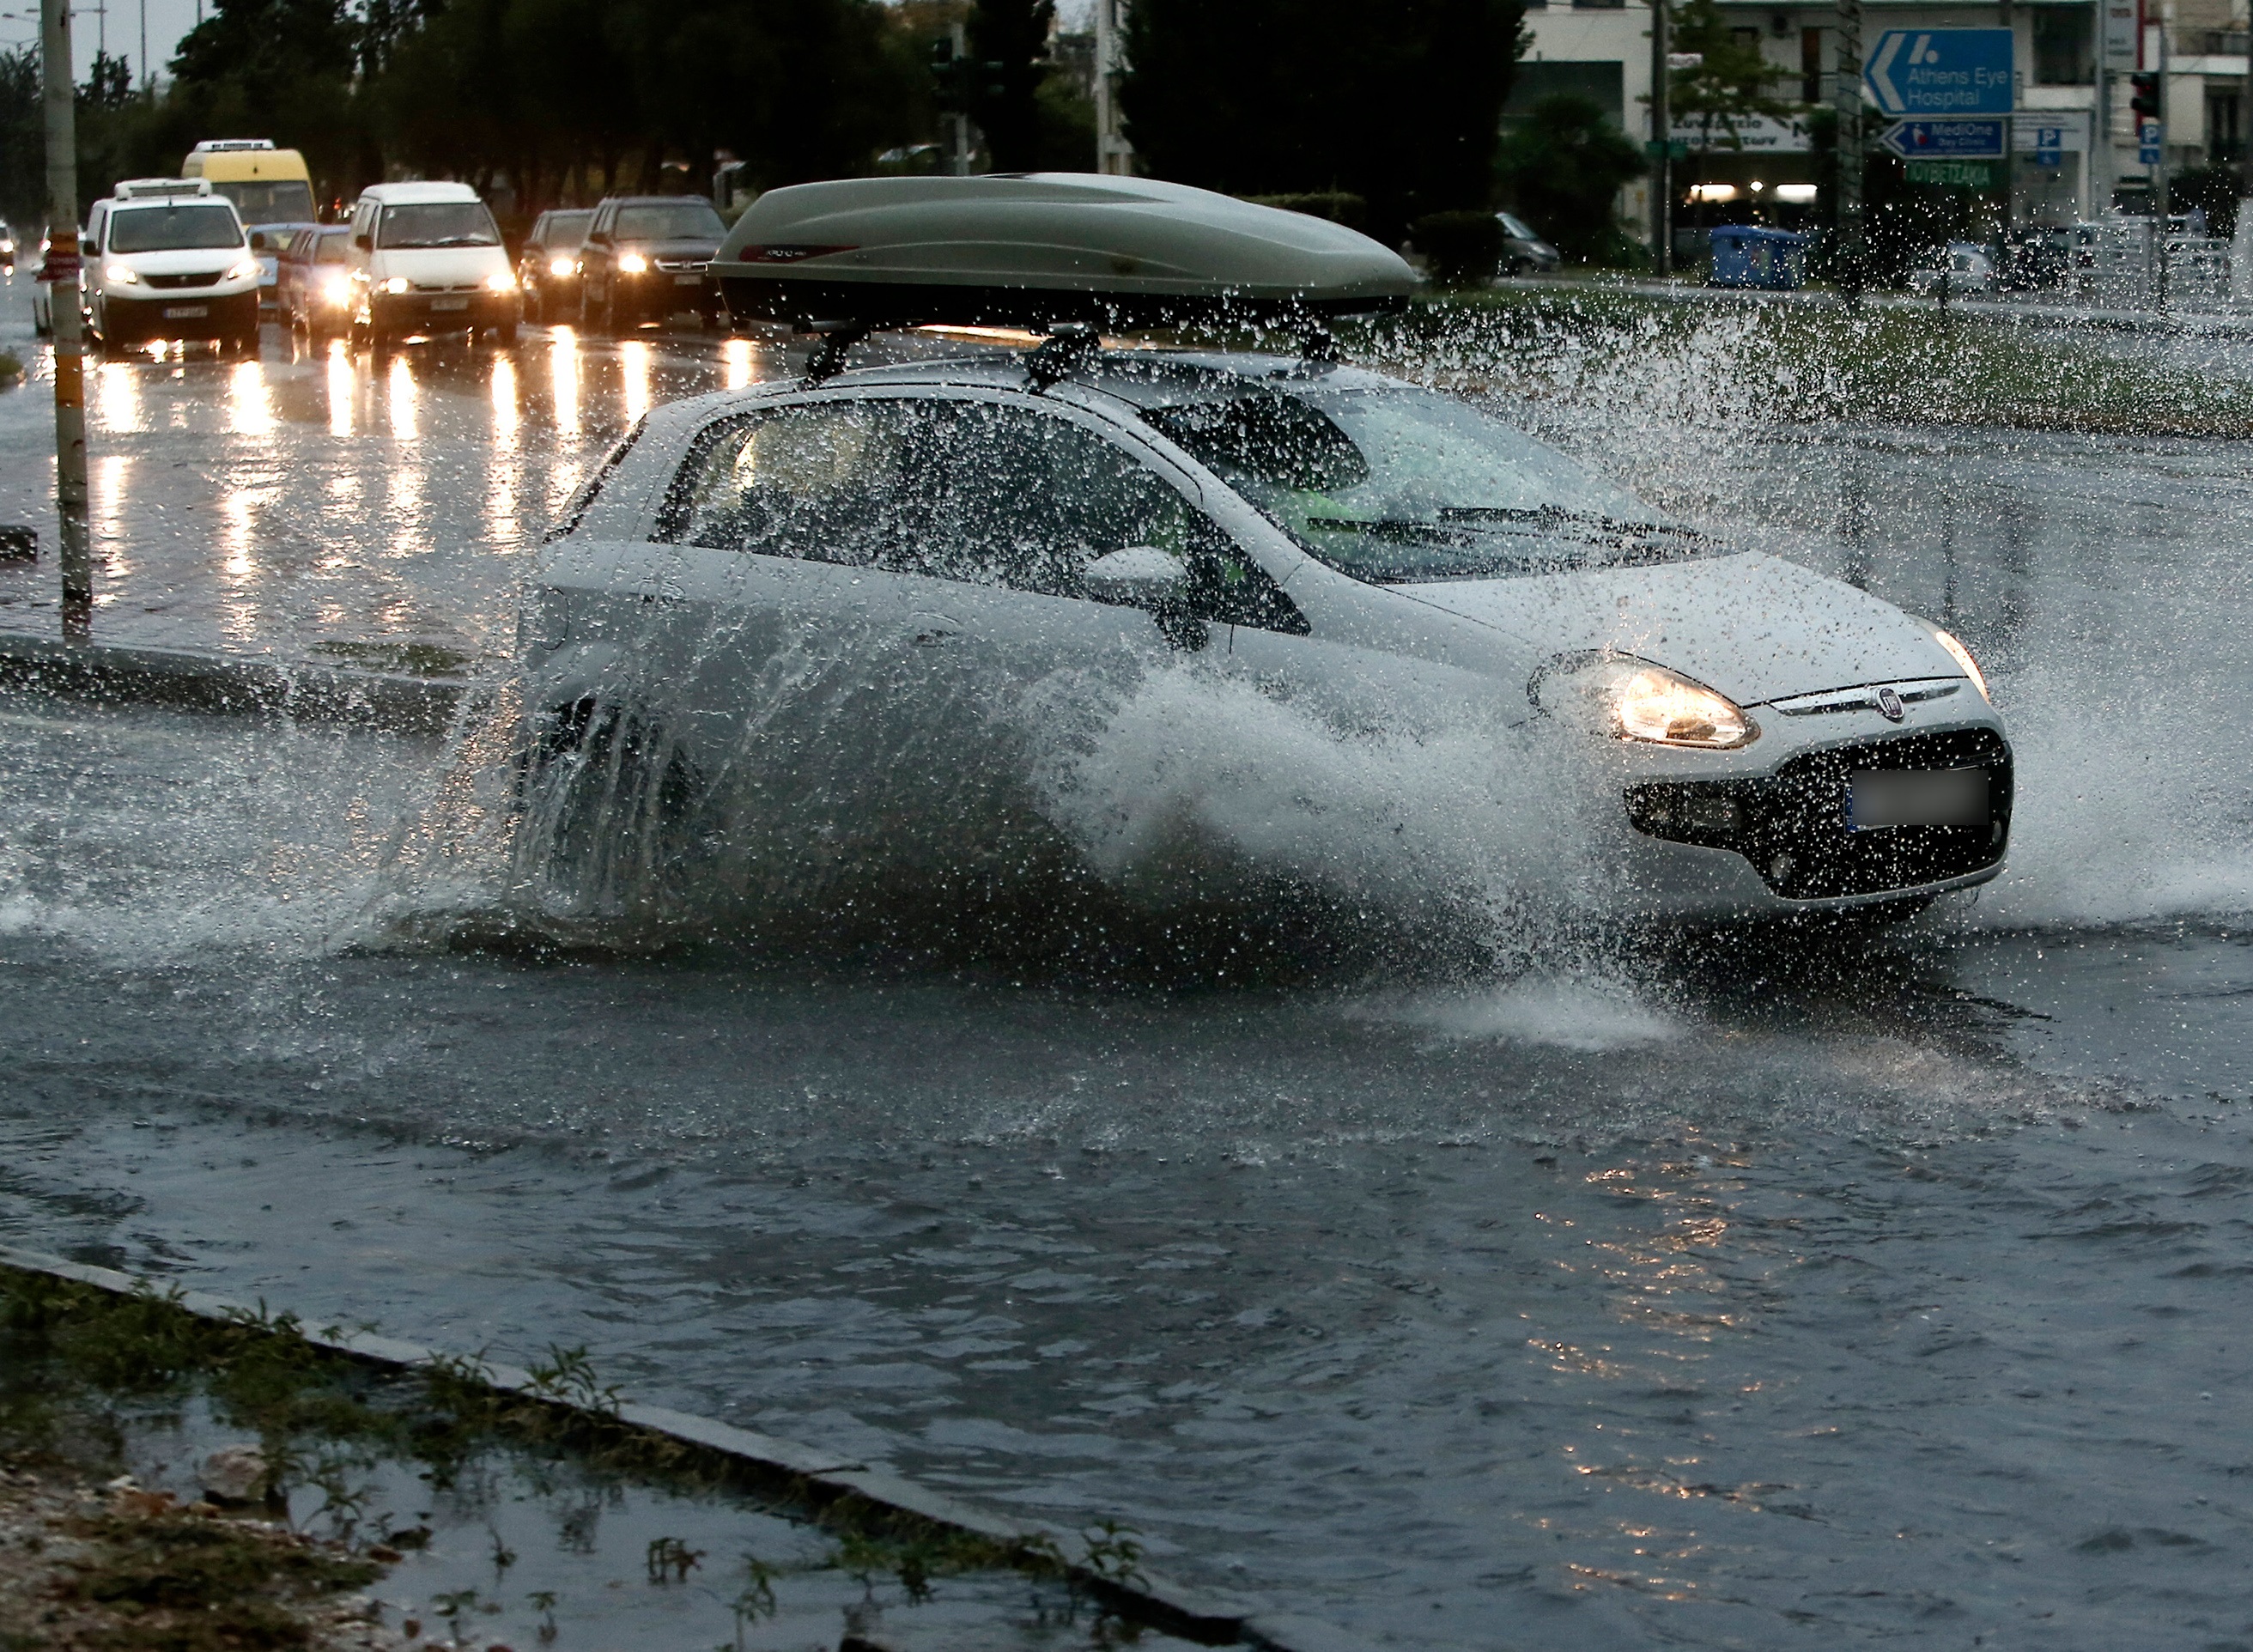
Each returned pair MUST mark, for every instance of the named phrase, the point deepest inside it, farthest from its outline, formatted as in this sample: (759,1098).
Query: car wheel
(609,809)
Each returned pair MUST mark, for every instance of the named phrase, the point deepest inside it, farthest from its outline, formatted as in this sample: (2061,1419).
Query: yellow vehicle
(266,186)
(272,193)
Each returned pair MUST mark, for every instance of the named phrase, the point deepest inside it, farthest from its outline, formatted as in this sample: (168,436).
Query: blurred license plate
(450,303)
(185,313)
(1942,797)
(692,281)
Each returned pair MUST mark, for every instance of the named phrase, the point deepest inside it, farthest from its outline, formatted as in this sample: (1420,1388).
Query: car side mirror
(365,243)
(1139,576)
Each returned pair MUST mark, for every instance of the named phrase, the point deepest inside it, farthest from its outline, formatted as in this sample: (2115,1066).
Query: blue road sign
(2147,144)
(1942,72)
(1945,140)
(2049,146)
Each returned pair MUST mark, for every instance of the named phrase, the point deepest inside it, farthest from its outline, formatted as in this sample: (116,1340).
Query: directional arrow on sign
(1943,73)
(1950,140)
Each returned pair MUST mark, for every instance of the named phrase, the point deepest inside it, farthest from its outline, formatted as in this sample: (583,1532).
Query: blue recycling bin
(1747,255)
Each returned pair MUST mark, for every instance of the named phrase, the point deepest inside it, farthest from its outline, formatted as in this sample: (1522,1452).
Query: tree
(1728,88)
(22,141)
(1009,41)
(1398,104)
(1563,166)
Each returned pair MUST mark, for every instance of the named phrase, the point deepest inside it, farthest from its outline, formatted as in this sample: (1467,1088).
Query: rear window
(690,220)
(161,229)
(335,246)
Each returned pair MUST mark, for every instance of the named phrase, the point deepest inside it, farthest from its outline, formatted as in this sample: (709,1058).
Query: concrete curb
(115,675)
(821,1476)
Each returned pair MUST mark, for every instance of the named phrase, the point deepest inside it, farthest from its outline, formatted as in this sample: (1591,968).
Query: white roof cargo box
(1041,248)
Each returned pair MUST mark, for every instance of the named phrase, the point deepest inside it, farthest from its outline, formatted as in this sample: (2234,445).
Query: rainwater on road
(1632,1293)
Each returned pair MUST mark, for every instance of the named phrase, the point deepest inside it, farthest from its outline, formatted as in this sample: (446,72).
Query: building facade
(1602,51)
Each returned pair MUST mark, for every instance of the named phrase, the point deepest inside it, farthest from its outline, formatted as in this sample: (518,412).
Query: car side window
(818,481)
(972,491)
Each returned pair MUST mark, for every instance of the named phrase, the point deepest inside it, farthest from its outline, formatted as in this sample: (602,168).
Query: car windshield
(1402,486)
(285,201)
(1516,227)
(439,224)
(686,220)
(566,229)
(160,229)
(334,246)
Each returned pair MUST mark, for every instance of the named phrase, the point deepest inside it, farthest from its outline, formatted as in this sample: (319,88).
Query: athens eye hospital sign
(1939,72)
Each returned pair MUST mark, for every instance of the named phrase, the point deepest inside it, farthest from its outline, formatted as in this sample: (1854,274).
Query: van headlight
(392,285)
(562,266)
(123,274)
(501,282)
(242,269)
(1627,698)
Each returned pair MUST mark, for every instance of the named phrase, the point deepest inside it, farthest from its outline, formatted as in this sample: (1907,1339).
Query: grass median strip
(348,1469)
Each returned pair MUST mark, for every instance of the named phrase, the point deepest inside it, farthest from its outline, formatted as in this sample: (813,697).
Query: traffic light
(2145,96)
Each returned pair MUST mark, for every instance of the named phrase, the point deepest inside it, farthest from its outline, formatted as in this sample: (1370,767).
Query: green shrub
(1460,249)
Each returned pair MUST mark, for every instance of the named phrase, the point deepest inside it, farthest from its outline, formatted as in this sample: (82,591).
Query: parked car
(315,283)
(7,246)
(43,315)
(426,259)
(647,257)
(165,258)
(1965,263)
(547,268)
(1522,249)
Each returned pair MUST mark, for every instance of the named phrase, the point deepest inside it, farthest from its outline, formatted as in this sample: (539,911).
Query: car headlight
(501,282)
(337,290)
(1633,700)
(631,264)
(393,284)
(123,274)
(242,269)
(1962,656)
(560,266)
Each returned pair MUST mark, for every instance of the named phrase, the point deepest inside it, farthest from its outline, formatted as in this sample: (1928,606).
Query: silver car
(810,620)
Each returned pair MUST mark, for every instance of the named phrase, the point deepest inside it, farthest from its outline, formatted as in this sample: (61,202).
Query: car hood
(437,266)
(178,261)
(1754,626)
(693,251)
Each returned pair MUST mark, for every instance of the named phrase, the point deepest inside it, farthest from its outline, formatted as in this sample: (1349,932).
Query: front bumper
(400,313)
(1774,837)
(179,315)
(663,292)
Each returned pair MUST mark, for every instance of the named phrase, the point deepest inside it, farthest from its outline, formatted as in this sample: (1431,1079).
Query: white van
(427,258)
(165,258)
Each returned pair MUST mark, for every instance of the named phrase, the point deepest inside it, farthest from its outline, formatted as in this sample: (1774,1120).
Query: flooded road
(1633,1294)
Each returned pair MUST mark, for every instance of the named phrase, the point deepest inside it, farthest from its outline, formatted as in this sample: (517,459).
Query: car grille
(683,266)
(1792,824)
(188,278)
(440,287)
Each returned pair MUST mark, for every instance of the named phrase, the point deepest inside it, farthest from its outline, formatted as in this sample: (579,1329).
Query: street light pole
(1661,141)
(58,95)
(1846,99)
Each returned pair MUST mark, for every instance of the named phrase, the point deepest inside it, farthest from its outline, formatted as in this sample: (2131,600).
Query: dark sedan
(647,257)
(547,269)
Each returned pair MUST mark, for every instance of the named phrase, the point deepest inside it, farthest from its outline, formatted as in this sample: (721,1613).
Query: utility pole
(1662,140)
(2010,127)
(59,96)
(1847,98)
(960,164)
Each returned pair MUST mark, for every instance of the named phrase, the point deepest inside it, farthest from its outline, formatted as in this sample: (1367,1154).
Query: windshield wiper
(1552,515)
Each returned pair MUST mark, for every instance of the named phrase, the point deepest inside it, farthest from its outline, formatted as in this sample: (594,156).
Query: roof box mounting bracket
(838,338)
(1070,346)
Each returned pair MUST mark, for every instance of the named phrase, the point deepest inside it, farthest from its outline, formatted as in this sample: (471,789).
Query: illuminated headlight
(631,264)
(392,285)
(123,274)
(1962,656)
(1632,699)
(337,290)
(560,266)
(501,282)
(243,269)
